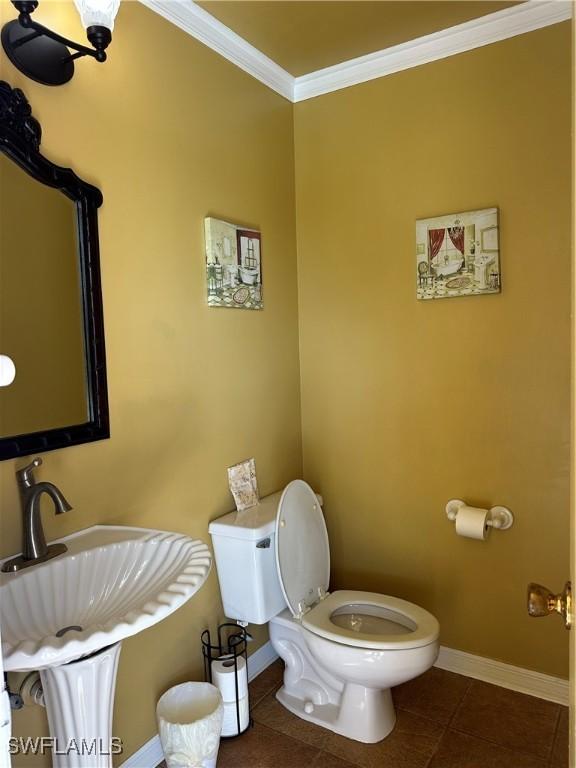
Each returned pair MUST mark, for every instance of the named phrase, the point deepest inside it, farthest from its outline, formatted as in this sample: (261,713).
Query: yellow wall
(407,404)
(40,306)
(171,132)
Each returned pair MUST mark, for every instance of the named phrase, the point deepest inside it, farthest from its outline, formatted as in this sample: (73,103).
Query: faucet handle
(25,476)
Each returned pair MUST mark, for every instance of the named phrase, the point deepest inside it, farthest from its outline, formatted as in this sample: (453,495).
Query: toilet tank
(246,562)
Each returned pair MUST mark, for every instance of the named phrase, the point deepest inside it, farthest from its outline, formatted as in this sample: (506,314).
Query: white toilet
(343,650)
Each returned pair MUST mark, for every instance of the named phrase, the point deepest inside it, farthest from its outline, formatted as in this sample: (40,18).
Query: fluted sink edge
(114,582)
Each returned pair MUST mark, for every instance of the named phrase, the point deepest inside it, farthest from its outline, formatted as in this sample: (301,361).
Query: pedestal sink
(67,617)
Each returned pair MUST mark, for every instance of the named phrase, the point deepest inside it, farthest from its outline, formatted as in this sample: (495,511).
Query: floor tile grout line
(346,759)
(298,741)
(447,724)
(556,731)
(461,702)
(460,730)
(258,701)
(440,740)
(414,751)
(283,733)
(339,757)
(271,692)
(273,687)
(547,762)
(316,757)
(442,724)
(518,750)
(499,745)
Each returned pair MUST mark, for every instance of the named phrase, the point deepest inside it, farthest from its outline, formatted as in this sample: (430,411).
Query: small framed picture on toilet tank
(458,255)
(233,265)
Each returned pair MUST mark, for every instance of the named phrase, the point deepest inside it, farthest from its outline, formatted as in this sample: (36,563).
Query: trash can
(190,721)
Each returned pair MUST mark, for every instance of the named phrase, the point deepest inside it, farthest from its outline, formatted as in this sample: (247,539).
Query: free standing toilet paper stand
(231,650)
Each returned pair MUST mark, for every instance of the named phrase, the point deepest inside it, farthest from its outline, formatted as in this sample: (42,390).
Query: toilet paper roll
(223,678)
(230,722)
(471,522)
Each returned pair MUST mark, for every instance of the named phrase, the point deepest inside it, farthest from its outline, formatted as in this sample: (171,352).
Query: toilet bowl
(343,651)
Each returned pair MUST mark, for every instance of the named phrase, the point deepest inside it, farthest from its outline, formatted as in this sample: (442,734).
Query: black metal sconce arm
(44,55)
(101,35)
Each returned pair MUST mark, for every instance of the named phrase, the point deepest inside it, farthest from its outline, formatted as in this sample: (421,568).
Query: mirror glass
(41,314)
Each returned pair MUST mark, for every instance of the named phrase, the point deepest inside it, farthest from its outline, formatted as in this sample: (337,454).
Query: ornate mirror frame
(20,135)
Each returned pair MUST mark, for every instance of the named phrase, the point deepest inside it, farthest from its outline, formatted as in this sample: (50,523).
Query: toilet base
(311,692)
(363,714)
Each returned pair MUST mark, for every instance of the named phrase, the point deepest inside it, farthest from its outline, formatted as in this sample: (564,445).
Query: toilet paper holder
(498,517)
(231,650)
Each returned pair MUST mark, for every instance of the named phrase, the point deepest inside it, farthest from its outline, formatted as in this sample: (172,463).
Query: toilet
(343,650)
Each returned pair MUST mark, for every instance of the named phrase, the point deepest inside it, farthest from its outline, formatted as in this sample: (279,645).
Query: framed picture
(233,265)
(458,255)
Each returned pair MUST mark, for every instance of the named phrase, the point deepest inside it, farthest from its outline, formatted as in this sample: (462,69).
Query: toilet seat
(303,565)
(423,628)
(302,550)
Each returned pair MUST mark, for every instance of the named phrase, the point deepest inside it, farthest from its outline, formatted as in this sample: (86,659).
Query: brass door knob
(542,602)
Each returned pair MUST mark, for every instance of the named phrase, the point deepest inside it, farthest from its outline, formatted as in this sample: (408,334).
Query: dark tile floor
(444,721)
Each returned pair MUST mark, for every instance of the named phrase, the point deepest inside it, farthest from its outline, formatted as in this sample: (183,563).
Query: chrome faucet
(34,547)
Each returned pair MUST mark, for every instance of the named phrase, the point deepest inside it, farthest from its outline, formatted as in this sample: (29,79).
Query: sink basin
(112,583)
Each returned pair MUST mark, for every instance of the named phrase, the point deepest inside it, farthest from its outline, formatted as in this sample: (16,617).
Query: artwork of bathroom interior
(337,533)
(233,265)
(458,255)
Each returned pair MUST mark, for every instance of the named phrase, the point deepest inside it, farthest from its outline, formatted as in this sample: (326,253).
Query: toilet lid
(302,549)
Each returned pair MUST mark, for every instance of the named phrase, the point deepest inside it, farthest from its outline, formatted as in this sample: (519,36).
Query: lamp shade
(97,13)
(7,371)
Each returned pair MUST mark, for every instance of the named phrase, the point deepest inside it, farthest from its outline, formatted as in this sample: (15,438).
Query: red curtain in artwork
(457,237)
(435,240)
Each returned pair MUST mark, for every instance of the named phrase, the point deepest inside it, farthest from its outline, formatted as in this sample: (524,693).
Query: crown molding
(516,20)
(492,28)
(200,24)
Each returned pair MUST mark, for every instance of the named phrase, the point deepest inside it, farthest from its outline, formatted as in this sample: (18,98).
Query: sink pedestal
(79,700)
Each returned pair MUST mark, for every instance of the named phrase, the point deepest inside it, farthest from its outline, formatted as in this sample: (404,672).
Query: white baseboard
(489,671)
(150,755)
(260,659)
(505,675)
(480,668)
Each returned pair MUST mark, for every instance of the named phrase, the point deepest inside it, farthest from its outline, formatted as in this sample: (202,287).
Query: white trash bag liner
(190,721)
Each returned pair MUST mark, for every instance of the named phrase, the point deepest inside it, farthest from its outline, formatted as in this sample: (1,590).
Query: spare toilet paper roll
(471,522)
(223,678)
(230,722)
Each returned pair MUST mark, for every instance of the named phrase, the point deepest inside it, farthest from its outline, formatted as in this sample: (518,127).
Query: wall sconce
(45,56)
